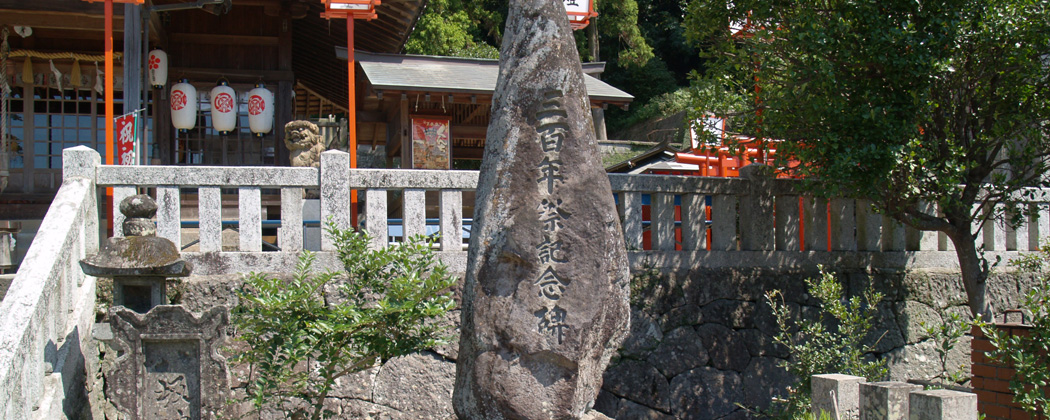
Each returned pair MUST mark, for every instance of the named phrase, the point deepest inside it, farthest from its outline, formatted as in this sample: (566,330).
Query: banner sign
(430,143)
(127,136)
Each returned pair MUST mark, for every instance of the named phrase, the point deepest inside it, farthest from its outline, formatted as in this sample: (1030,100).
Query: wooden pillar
(285,103)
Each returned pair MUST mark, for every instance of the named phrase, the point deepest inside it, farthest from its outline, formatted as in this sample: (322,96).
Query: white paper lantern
(223,108)
(158,68)
(183,105)
(260,110)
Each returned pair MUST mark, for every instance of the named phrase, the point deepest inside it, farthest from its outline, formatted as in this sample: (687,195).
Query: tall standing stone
(545,301)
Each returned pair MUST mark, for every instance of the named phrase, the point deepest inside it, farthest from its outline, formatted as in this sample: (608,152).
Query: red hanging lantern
(350,9)
(580,13)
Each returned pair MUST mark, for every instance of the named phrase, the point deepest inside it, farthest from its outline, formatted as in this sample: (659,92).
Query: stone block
(942,404)
(885,400)
(168,363)
(837,394)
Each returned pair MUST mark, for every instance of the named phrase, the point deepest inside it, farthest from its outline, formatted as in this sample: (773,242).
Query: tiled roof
(453,75)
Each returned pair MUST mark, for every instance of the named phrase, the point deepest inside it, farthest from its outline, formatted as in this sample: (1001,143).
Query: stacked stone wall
(700,344)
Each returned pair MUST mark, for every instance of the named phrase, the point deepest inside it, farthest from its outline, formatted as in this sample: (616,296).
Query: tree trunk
(974,271)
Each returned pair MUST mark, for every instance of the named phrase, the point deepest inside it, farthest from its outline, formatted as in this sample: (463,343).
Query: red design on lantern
(178,100)
(256,105)
(224,102)
(154,62)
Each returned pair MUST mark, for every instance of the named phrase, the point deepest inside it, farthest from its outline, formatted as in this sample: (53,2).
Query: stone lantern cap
(139,253)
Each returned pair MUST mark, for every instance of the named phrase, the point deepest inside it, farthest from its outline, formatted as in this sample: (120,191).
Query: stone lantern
(140,262)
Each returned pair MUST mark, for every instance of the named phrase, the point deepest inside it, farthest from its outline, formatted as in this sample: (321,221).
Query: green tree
(458,28)
(303,334)
(902,102)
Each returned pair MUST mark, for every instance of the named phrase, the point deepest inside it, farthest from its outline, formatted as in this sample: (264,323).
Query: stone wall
(701,342)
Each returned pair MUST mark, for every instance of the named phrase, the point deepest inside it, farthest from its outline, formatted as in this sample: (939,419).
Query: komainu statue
(303,140)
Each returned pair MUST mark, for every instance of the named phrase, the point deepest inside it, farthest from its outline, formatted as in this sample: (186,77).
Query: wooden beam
(58,20)
(235,75)
(42,6)
(468,152)
(216,39)
(469,131)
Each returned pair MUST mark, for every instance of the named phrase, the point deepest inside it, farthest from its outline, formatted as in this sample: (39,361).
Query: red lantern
(350,9)
(580,13)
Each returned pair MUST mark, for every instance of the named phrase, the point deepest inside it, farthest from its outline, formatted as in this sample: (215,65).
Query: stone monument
(303,140)
(168,364)
(545,300)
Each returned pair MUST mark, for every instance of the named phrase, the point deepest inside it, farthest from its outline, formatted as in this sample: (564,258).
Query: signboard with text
(127,136)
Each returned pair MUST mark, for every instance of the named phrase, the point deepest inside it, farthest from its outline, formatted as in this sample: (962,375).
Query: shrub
(306,332)
(831,343)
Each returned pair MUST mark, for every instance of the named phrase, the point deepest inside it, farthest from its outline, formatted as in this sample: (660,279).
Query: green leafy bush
(306,332)
(830,343)
(947,335)
(1028,354)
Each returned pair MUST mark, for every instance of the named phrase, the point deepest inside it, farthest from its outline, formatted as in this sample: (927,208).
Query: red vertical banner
(125,131)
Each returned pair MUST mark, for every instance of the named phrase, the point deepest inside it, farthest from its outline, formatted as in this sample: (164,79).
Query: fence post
(869,227)
(335,194)
(815,219)
(694,222)
(838,395)
(942,404)
(843,224)
(81,161)
(756,208)
(885,400)
(632,220)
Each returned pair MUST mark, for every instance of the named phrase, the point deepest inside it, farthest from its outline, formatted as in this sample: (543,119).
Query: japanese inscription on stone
(551,129)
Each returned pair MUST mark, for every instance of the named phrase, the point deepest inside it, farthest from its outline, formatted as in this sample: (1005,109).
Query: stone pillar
(885,400)
(756,209)
(942,404)
(335,194)
(838,395)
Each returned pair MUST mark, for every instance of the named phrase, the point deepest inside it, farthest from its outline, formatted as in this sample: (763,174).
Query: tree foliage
(458,28)
(907,103)
(303,334)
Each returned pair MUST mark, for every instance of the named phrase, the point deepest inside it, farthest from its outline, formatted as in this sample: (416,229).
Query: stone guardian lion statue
(303,140)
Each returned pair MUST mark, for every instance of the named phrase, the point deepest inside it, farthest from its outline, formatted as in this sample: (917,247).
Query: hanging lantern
(183,105)
(158,68)
(580,13)
(223,108)
(350,9)
(260,110)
